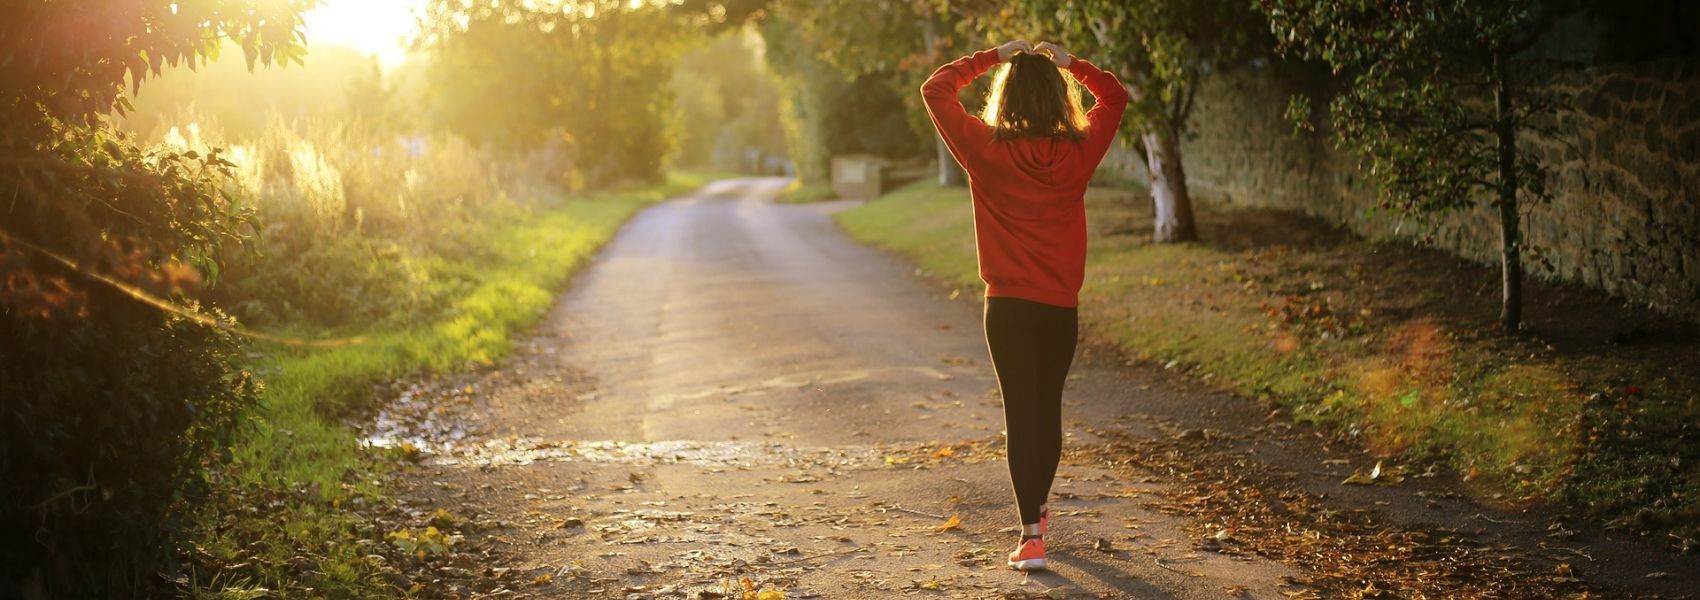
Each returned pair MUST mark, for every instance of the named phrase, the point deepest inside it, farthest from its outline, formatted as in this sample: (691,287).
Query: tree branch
(1519,42)
(1183,108)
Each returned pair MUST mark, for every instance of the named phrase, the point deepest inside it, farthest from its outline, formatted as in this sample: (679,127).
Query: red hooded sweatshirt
(1028,193)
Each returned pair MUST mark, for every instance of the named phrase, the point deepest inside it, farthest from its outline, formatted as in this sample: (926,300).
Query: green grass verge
(798,192)
(1341,340)
(293,508)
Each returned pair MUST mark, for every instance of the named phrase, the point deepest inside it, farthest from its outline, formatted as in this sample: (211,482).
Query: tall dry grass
(352,223)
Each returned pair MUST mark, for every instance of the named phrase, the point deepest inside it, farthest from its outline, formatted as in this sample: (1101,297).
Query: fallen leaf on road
(932,584)
(432,541)
(954,523)
(1358,478)
(752,591)
(443,519)
(1376,476)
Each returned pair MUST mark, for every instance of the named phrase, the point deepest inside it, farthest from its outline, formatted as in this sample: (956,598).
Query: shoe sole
(1032,564)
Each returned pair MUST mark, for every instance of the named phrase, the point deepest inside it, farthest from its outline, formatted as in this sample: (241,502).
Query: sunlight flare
(380,28)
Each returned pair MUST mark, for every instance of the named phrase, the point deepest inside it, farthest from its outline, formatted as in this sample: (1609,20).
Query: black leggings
(1032,346)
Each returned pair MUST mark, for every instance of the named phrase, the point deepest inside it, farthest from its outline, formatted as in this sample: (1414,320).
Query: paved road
(735,389)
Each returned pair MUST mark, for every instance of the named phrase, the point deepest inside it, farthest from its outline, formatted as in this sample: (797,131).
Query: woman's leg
(1035,431)
(1058,333)
(1058,330)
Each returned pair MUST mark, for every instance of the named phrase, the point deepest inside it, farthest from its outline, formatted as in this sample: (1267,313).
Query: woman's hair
(1030,98)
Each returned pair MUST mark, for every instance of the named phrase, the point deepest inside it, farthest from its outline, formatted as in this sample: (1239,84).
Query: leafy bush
(112,407)
(108,425)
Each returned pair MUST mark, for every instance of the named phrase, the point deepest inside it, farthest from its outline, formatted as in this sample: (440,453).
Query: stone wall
(1625,217)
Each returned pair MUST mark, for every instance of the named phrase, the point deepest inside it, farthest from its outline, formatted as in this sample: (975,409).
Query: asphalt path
(733,389)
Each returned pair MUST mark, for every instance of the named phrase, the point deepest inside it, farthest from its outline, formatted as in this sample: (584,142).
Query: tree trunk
(1510,234)
(950,173)
(1162,155)
(1169,196)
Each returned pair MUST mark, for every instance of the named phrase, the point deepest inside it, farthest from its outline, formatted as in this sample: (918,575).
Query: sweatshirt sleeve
(1106,115)
(964,134)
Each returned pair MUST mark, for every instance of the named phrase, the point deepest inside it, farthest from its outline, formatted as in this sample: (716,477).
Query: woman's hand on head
(1008,49)
(1058,54)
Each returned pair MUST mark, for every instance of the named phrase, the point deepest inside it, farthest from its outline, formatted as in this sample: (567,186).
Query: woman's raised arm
(960,130)
(1111,100)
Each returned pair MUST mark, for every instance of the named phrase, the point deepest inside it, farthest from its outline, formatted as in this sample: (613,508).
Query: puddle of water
(423,416)
(429,416)
(734,453)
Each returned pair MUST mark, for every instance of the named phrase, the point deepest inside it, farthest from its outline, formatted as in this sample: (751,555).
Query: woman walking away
(1028,158)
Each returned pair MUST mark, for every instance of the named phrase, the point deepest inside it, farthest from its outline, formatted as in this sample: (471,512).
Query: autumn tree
(842,66)
(905,40)
(830,111)
(1436,103)
(807,85)
(590,76)
(1161,49)
(727,103)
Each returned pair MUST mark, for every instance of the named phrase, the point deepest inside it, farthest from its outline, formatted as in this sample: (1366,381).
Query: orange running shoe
(1029,556)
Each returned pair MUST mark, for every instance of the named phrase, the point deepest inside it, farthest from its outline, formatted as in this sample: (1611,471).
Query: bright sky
(378,27)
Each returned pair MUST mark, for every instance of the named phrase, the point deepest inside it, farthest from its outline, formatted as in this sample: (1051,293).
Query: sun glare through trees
(381,28)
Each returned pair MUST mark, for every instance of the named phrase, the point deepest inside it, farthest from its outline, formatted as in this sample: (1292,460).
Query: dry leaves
(1340,550)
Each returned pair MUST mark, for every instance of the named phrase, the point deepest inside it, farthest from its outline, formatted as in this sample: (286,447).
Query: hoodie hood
(1045,160)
